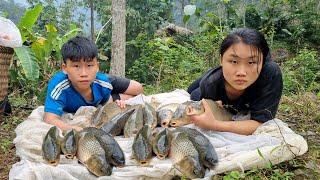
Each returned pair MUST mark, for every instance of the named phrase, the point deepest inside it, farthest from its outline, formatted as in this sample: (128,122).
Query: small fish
(142,147)
(165,114)
(134,123)
(116,125)
(161,144)
(150,116)
(69,144)
(51,146)
(107,112)
(180,117)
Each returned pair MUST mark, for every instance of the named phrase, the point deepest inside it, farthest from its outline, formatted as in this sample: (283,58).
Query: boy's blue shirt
(62,97)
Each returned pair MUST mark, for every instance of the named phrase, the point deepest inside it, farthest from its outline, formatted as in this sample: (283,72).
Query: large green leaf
(28,20)
(30,17)
(28,61)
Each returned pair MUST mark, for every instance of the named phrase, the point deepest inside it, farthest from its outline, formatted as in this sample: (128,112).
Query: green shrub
(172,62)
(302,73)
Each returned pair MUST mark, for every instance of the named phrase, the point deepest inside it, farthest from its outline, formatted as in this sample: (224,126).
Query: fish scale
(185,156)
(181,147)
(87,146)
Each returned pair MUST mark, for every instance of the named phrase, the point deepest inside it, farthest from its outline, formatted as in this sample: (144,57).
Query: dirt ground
(300,112)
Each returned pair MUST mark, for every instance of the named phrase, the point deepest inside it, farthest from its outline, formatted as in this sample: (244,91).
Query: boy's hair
(78,48)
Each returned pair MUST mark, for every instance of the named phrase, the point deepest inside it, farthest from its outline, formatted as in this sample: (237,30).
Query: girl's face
(241,66)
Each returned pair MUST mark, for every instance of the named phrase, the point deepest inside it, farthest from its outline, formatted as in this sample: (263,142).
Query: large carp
(92,154)
(185,157)
(113,151)
(208,154)
(180,116)
(196,108)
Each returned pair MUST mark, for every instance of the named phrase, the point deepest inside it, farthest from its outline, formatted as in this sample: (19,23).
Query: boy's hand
(121,103)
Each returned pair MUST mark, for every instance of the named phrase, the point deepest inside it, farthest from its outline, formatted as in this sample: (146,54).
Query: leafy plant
(302,73)
(40,55)
(168,63)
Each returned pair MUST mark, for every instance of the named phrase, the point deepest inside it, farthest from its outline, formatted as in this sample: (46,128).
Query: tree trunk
(117,66)
(92,20)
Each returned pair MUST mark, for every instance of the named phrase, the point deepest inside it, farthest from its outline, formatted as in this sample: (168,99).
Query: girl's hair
(248,36)
(78,48)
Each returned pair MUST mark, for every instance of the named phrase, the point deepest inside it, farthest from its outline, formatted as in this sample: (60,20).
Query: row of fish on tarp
(190,151)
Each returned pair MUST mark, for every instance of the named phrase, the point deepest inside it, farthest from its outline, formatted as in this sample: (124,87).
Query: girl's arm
(207,121)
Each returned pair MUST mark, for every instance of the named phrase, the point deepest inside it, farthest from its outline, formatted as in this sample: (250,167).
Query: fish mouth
(165,123)
(161,156)
(144,163)
(69,156)
(173,124)
(54,162)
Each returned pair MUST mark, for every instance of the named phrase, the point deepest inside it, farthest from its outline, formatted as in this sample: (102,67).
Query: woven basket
(6,54)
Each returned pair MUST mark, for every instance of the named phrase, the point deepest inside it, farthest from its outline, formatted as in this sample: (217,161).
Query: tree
(92,19)
(117,66)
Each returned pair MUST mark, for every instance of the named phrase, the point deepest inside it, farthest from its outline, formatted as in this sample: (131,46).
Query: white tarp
(273,139)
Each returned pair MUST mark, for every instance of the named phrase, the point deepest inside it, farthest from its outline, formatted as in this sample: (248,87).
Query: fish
(150,116)
(134,123)
(185,157)
(92,154)
(207,152)
(142,147)
(105,113)
(116,125)
(196,108)
(165,114)
(180,117)
(161,144)
(51,149)
(69,144)
(113,151)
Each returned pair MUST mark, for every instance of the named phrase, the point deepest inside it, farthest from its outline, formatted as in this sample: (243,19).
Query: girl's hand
(121,103)
(77,128)
(205,120)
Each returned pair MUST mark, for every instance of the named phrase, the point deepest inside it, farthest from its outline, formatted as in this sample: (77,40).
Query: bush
(302,73)
(172,62)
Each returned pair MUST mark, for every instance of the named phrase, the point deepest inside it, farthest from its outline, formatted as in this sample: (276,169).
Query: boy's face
(82,73)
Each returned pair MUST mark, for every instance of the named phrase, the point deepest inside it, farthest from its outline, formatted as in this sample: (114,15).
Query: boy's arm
(55,120)
(134,88)
(124,88)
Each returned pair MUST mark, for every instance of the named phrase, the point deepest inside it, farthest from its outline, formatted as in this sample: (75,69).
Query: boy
(81,84)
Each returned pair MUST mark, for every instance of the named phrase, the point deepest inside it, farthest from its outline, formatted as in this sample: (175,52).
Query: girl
(246,82)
